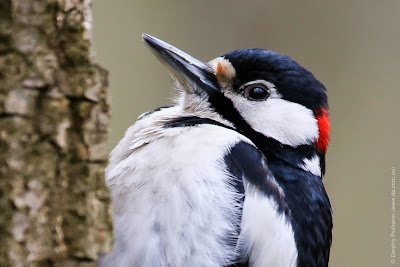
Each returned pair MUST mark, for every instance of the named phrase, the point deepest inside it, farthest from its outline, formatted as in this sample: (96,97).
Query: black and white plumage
(230,175)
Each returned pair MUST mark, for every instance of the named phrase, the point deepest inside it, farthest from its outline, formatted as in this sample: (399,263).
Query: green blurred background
(353,47)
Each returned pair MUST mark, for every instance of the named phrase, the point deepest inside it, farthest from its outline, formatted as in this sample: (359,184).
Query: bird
(231,174)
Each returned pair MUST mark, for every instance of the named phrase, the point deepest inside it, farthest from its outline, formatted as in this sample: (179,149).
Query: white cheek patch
(288,122)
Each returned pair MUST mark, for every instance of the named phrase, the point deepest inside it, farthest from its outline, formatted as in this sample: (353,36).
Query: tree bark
(54,117)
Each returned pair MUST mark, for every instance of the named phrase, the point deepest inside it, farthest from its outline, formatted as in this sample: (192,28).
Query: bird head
(262,94)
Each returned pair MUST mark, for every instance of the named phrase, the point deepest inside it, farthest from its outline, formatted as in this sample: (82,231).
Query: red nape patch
(323,129)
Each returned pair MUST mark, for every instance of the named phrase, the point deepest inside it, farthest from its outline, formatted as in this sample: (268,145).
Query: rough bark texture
(53,130)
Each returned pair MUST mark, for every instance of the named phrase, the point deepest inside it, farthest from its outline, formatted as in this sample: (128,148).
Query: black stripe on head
(293,82)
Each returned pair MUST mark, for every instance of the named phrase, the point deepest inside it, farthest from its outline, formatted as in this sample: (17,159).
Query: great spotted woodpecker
(231,174)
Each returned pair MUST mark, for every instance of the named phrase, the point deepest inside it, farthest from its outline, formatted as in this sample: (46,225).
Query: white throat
(199,106)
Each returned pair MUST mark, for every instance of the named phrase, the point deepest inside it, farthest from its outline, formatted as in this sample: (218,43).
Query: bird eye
(256,92)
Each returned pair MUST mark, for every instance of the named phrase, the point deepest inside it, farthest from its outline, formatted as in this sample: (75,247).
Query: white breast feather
(177,208)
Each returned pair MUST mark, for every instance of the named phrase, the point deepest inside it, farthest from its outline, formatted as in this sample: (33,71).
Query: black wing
(249,168)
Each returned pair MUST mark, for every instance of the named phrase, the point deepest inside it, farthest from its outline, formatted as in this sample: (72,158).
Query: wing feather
(266,237)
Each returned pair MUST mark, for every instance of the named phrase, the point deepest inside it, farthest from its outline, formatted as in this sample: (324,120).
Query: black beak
(197,73)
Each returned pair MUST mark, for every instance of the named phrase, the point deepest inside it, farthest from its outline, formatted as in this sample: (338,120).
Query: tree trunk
(54,205)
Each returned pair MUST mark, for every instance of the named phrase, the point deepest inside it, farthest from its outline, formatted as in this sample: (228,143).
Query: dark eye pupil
(258,93)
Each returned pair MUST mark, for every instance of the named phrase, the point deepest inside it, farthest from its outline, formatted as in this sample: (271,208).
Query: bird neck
(305,157)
